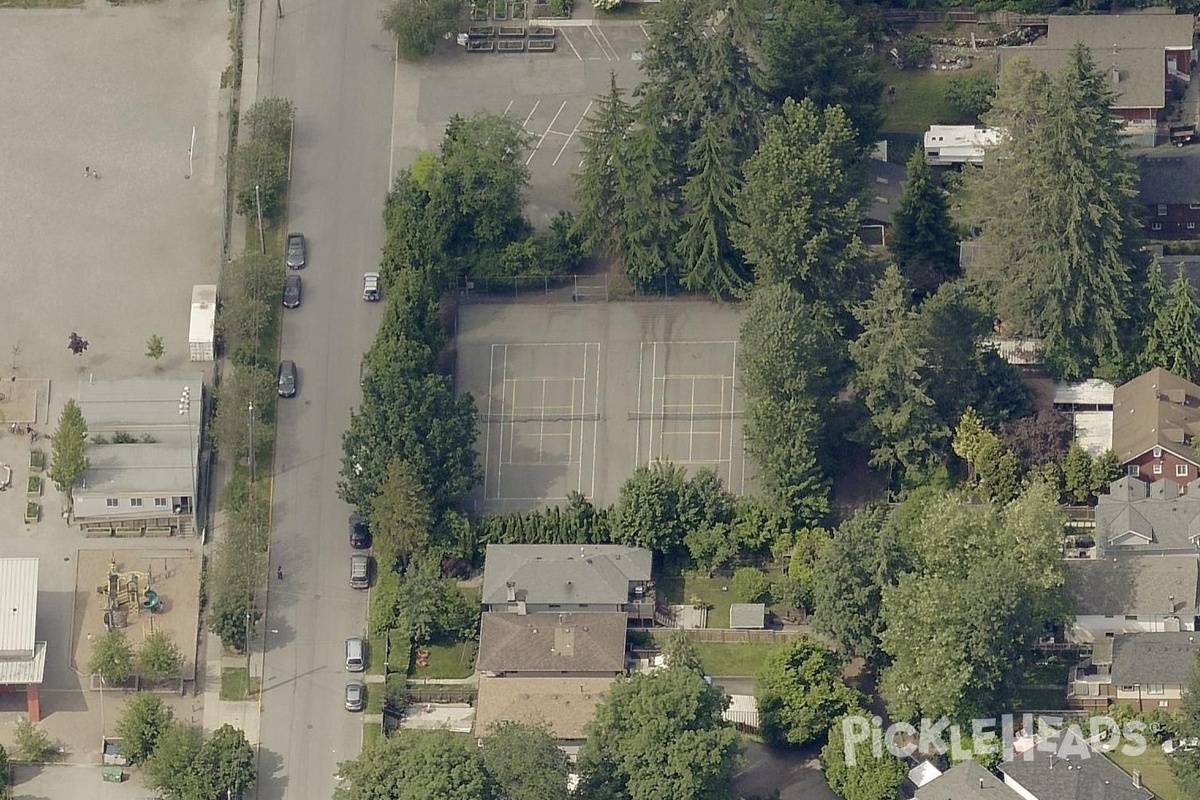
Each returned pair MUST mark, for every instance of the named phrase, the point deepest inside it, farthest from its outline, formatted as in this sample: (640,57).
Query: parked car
(360,537)
(356,654)
(371,286)
(287,379)
(291,291)
(297,251)
(360,571)
(356,696)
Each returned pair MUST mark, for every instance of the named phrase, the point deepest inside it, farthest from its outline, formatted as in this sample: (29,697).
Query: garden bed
(478,14)
(542,32)
(541,46)
(481,32)
(33,486)
(500,10)
(516,11)
(511,46)
(512,31)
(33,512)
(37,460)
(480,46)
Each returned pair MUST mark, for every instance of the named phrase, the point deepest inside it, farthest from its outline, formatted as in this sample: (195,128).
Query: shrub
(33,743)
(112,658)
(750,585)
(914,51)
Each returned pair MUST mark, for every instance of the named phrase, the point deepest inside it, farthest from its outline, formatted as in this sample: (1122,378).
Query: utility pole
(262,240)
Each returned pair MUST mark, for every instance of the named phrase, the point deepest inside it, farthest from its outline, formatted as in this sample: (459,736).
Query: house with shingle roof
(1156,419)
(534,578)
(1143,56)
(1142,670)
(967,780)
(1131,594)
(541,645)
(1062,766)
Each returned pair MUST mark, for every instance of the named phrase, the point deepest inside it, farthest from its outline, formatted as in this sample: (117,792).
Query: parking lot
(551,95)
(574,396)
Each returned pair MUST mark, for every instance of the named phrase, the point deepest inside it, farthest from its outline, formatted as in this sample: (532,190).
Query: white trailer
(202,332)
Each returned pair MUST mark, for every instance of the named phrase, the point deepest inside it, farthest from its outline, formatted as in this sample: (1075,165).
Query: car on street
(287,379)
(297,251)
(364,372)
(360,537)
(360,571)
(356,654)
(356,696)
(291,291)
(371,286)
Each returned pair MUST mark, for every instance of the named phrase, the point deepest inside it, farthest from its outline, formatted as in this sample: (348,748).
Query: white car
(371,286)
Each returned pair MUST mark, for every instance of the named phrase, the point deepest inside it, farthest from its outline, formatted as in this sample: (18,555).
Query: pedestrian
(87,172)
(279,572)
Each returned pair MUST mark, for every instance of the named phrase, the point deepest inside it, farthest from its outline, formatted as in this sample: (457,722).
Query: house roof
(1093,431)
(1092,392)
(1168,175)
(886,182)
(747,615)
(588,642)
(1135,584)
(565,704)
(1142,658)
(143,405)
(1063,767)
(1136,517)
(18,607)
(1132,46)
(1020,352)
(967,780)
(563,573)
(1156,408)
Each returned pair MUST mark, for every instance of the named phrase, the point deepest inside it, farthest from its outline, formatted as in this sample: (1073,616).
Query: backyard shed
(748,616)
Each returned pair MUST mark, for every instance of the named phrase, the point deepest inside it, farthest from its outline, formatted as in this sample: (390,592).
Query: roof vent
(1137,779)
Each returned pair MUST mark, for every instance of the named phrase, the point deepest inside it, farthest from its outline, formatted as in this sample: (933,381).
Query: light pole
(250,447)
(262,242)
(185,407)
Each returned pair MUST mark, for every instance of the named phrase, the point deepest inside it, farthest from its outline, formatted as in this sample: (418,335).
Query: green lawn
(1156,775)
(374,698)
(376,650)
(234,686)
(689,588)
(372,733)
(920,97)
(456,660)
(729,660)
(1027,699)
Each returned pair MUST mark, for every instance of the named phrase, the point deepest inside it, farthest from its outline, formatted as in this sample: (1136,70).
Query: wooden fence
(727,636)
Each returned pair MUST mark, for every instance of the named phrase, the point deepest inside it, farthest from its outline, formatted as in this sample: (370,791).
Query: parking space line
(642,28)
(543,137)
(604,36)
(531,112)
(591,29)
(570,44)
(571,135)
(508,108)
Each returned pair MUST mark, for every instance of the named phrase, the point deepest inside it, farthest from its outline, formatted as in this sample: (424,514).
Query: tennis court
(573,397)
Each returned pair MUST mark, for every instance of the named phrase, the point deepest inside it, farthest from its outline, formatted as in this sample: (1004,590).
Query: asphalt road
(334,62)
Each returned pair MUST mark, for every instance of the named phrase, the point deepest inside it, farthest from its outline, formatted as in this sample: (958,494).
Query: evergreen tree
(812,50)
(799,208)
(596,187)
(711,263)
(1153,346)
(648,223)
(924,240)
(892,378)
(1174,334)
(1056,205)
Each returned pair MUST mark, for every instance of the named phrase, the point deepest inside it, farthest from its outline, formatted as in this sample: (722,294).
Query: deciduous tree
(112,657)
(143,721)
(159,657)
(800,693)
(970,96)
(659,736)
(870,776)
(415,765)
(525,762)
(419,24)
(155,349)
(172,765)
(227,763)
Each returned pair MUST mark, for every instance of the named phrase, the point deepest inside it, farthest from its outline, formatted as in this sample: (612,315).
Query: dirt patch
(173,576)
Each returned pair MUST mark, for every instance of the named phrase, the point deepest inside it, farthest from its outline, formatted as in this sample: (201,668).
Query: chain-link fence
(553,288)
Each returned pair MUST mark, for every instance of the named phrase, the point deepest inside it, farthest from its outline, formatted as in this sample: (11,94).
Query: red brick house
(1156,421)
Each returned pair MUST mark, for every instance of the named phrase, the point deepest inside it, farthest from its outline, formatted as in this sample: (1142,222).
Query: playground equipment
(127,593)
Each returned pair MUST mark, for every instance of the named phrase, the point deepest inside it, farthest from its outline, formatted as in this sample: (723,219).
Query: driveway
(795,773)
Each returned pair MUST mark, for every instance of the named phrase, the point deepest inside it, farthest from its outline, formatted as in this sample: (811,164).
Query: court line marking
(571,136)
(487,443)
(604,36)
(582,427)
(543,138)
(571,433)
(542,426)
(637,437)
(531,113)
(653,372)
(504,401)
(692,422)
(572,46)
(595,425)
(733,422)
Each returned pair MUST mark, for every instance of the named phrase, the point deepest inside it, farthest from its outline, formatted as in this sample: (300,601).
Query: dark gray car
(297,251)
(291,291)
(287,378)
